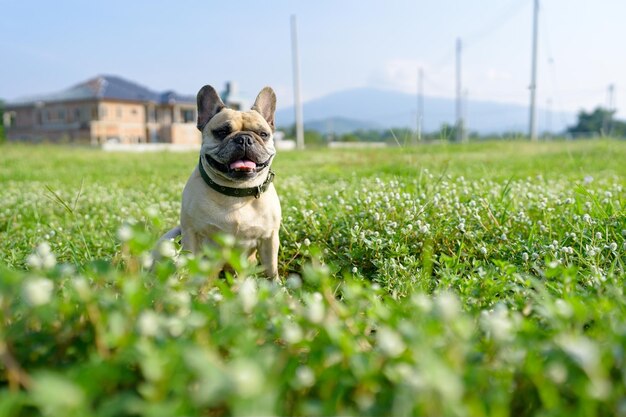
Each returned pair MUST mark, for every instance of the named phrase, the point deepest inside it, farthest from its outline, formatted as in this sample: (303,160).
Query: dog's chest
(248,220)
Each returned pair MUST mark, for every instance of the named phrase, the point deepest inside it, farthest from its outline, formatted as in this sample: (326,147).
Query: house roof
(107,87)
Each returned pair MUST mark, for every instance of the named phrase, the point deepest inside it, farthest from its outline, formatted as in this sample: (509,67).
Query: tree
(599,122)
(314,138)
(349,137)
(2,136)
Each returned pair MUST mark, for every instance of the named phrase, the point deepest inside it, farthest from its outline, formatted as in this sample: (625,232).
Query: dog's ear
(209,104)
(265,104)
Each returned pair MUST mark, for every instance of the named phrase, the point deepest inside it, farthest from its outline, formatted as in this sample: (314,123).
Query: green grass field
(473,280)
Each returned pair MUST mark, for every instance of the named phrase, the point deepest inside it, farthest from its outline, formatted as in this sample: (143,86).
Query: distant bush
(2,132)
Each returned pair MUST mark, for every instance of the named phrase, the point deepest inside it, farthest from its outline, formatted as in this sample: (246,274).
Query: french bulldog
(231,191)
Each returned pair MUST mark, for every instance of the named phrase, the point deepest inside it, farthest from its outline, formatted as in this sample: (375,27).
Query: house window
(188,116)
(76,114)
(61,114)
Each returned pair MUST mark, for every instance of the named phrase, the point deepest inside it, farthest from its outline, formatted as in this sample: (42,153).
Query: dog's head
(236,145)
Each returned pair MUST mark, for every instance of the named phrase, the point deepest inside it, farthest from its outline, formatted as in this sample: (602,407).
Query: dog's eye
(221,133)
(264,135)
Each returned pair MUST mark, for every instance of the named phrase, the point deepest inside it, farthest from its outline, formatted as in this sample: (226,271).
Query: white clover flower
(557,373)
(563,308)
(175,326)
(248,294)
(588,179)
(591,250)
(215,294)
(146,260)
(355,270)
(125,233)
(181,299)
(483,250)
(461,227)
(43,248)
(293,282)
(498,324)
(305,376)
(306,242)
(582,350)
(524,256)
(34,261)
(167,249)
(390,342)
(248,377)
(82,288)
(586,218)
(613,247)
(38,291)
(422,301)
(598,235)
(292,333)
(315,310)
(148,323)
(448,305)
(42,257)
(152,212)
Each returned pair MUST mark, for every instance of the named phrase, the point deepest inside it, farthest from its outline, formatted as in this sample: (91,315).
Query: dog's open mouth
(244,165)
(240,168)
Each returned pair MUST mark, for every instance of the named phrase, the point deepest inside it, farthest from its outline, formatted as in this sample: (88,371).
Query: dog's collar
(236,192)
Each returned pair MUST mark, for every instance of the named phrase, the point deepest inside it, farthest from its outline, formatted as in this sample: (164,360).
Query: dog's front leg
(268,252)
(190,241)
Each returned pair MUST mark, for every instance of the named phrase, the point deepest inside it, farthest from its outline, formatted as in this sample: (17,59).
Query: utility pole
(465,113)
(549,119)
(297,100)
(611,97)
(532,123)
(459,94)
(420,103)
(607,123)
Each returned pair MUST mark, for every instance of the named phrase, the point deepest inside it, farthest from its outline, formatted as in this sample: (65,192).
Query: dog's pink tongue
(243,164)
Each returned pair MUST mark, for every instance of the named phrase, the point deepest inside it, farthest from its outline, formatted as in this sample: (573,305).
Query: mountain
(386,109)
(340,125)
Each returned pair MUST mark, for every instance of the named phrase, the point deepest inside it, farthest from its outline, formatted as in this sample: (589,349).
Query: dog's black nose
(245,140)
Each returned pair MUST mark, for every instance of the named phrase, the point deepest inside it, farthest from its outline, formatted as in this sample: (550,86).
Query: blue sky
(50,45)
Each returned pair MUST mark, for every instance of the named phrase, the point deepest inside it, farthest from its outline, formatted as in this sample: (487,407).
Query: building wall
(57,122)
(119,121)
(186,134)
(98,122)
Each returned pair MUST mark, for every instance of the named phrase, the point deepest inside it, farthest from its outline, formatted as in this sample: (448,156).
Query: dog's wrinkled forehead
(239,121)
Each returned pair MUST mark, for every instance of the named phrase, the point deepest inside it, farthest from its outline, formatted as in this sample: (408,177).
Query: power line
(514,7)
